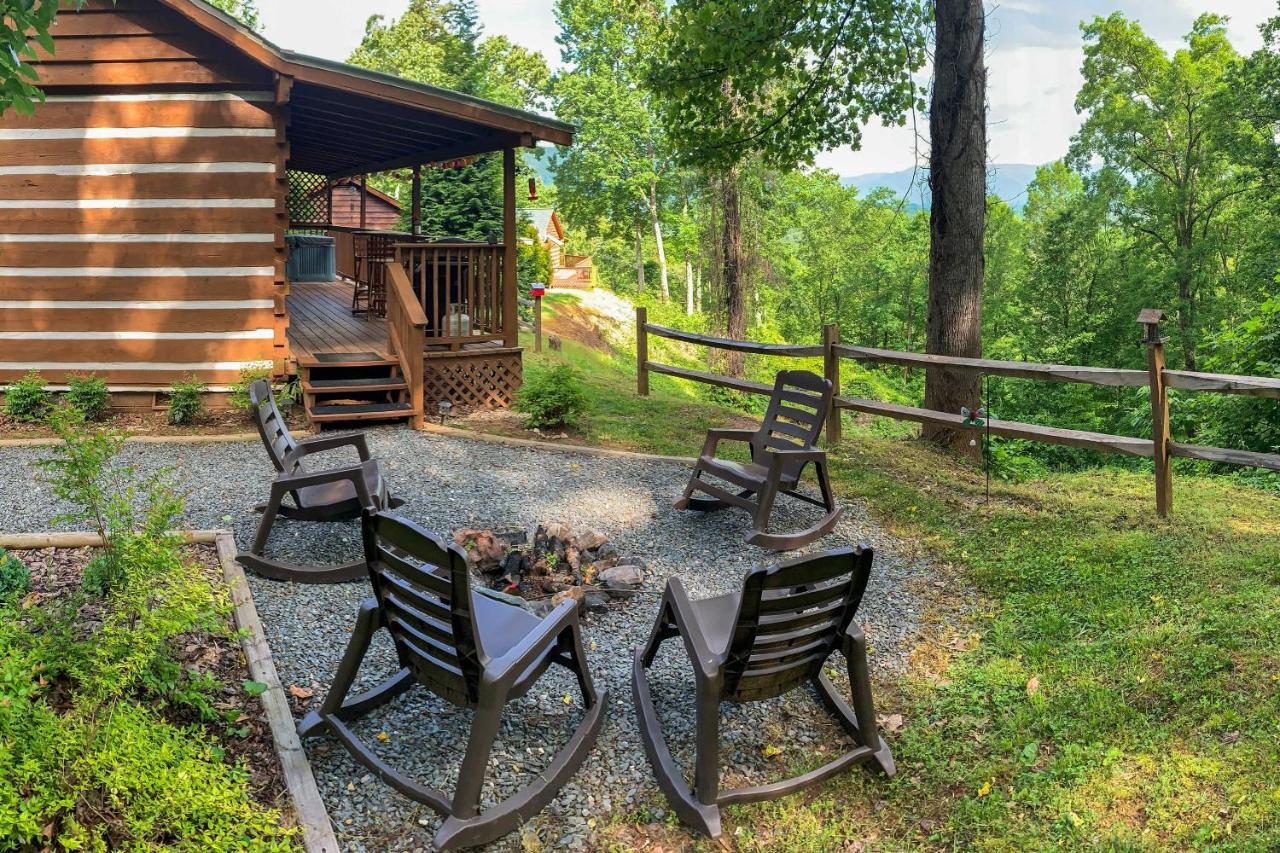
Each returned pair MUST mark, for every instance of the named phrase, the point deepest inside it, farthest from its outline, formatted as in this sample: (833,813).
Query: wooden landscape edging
(534,444)
(1161,449)
(317,831)
(208,438)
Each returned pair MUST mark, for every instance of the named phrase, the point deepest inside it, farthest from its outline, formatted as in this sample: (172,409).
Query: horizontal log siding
(139,231)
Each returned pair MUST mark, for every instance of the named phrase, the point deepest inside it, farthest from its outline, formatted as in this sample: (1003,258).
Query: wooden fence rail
(1160,448)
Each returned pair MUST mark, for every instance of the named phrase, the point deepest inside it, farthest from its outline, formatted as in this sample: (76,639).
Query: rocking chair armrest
(704,660)
(353,473)
(719,434)
(800,454)
(317,443)
(534,644)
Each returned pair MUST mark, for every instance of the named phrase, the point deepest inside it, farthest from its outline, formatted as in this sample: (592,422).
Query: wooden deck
(320,320)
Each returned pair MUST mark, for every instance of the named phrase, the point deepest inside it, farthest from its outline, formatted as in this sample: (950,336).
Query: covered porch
(405,322)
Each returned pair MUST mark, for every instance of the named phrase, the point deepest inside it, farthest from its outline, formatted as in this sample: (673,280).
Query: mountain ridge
(1006,181)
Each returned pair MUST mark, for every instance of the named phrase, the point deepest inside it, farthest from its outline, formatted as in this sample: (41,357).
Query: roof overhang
(345,120)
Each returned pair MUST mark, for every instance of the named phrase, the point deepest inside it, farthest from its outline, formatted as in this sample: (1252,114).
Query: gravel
(449,482)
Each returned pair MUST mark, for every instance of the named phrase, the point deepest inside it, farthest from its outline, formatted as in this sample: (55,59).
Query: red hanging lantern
(533,189)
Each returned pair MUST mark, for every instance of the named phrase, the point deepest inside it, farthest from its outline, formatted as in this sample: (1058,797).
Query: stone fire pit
(548,563)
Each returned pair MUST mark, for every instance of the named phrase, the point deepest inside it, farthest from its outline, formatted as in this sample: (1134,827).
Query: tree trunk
(657,238)
(957,217)
(688,286)
(734,287)
(639,258)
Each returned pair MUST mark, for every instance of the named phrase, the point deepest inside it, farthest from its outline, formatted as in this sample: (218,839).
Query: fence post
(831,369)
(1150,319)
(642,352)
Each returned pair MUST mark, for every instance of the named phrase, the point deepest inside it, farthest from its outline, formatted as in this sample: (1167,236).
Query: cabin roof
(346,120)
(547,223)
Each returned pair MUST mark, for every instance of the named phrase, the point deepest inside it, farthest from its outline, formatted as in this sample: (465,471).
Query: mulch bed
(56,572)
(141,422)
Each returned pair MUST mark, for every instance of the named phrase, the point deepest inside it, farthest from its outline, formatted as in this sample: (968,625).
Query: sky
(1033,59)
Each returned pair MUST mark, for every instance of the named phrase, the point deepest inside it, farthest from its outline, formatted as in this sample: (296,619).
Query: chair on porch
(369,296)
(468,649)
(785,443)
(332,494)
(761,642)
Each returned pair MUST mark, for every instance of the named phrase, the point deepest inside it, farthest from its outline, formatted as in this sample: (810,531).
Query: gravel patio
(450,482)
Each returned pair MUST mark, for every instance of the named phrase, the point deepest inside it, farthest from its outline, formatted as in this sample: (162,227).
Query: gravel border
(449,482)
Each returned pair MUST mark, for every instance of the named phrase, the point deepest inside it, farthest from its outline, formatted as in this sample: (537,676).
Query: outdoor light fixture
(533,189)
(444,407)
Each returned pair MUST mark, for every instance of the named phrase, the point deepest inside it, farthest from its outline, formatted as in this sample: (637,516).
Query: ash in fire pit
(549,563)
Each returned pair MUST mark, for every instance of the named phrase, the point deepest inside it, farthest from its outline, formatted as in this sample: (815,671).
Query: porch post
(416,215)
(364,183)
(510,315)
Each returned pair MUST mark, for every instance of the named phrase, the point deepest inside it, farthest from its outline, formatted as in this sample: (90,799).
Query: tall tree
(619,172)
(780,79)
(1156,120)
(957,216)
(244,11)
(441,42)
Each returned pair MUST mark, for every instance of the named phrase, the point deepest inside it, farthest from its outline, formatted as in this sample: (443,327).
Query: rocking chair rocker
(784,444)
(771,637)
(471,650)
(335,494)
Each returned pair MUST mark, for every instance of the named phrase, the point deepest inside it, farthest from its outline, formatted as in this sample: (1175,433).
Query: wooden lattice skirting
(473,379)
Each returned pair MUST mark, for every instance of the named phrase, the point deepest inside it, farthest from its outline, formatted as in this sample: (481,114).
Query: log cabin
(146,205)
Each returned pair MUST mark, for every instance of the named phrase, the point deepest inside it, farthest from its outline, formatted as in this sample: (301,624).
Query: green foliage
(285,392)
(552,398)
(785,78)
(88,394)
(28,399)
(441,43)
(186,400)
(24,26)
(15,577)
(103,768)
(245,11)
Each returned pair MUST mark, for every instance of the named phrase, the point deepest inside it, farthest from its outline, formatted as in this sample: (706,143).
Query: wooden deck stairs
(353,386)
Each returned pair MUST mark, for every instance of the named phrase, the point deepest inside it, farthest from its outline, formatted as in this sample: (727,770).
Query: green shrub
(186,400)
(88,393)
(27,398)
(249,375)
(15,577)
(553,398)
(106,767)
(284,392)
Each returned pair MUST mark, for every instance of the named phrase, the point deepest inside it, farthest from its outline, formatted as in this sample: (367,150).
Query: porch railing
(406,335)
(460,288)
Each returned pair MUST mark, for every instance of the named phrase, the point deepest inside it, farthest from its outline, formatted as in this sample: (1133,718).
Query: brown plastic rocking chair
(471,650)
(771,637)
(785,443)
(334,494)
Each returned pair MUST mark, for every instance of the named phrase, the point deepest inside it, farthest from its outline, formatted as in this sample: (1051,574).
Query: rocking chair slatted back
(271,427)
(790,619)
(421,586)
(794,419)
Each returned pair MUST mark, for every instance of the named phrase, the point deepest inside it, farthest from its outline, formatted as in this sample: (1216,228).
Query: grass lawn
(1117,688)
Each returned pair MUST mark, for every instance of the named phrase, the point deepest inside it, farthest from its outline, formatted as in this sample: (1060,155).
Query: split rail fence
(1161,449)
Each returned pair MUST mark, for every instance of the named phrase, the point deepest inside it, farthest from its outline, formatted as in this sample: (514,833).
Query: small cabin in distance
(144,209)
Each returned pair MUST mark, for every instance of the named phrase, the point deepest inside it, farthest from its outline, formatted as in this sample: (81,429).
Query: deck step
(368,383)
(361,412)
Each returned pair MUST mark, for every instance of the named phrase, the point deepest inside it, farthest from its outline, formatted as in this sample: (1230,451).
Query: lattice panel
(308,198)
(472,381)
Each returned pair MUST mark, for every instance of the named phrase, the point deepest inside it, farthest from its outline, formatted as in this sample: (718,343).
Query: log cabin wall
(141,234)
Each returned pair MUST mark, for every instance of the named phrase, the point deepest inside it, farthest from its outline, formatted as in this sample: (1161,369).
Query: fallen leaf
(771,751)
(383,736)
(892,723)
(1033,685)
(985,789)
(568,700)
(300,692)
